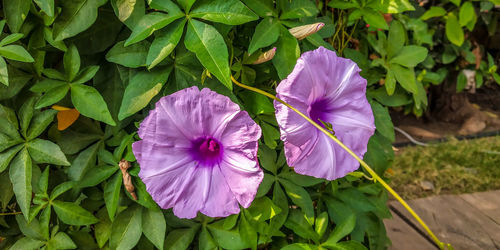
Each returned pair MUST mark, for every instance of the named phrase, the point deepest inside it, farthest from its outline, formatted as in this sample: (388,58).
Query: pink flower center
(207,151)
(320,110)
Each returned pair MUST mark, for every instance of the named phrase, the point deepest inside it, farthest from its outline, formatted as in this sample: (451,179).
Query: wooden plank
(403,236)
(486,202)
(454,221)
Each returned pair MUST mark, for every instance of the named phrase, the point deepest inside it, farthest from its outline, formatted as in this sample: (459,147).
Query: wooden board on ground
(403,236)
(455,221)
(486,202)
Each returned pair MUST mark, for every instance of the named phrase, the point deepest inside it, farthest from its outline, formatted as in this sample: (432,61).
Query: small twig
(127,179)
(10,213)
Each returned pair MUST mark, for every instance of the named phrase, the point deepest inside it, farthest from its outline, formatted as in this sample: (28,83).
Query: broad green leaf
(226,239)
(15,13)
(300,225)
(380,153)
(31,229)
(11,38)
(112,194)
(132,56)
(148,24)
(180,238)
(434,11)
(263,8)
(54,74)
(466,14)
(341,230)
(456,2)
(165,42)
(396,38)
(76,16)
(142,88)
(343,4)
(390,82)
(301,180)
(43,151)
(454,31)
(72,214)
(396,6)
(4,73)
(20,177)
(71,61)
(154,226)
(410,56)
(231,12)
(405,77)
(165,5)
(40,122)
(247,232)
(86,74)
(102,229)
(206,242)
(129,12)
(186,4)
(209,46)
(7,156)
(461,81)
(27,243)
(270,134)
(299,197)
(46,6)
(127,229)
(298,9)
(374,18)
(266,33)
(61,241)
(25,114)
(61,189)
(263,209)
(90,103)
(52,96)
(348,245)
(383,121)
(16,52)
(300,246)
(48,35)
(287,53)
(82,163)
(321,224)
(267,158)
(97,175)
(17,80)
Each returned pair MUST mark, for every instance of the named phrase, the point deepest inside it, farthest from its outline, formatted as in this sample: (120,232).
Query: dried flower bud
(304,31)
(266,56)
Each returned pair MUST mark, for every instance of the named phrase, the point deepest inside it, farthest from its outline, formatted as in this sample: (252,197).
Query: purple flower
(326,88)
(199,153)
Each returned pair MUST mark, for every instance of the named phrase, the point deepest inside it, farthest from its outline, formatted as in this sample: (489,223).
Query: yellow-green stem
(363,164)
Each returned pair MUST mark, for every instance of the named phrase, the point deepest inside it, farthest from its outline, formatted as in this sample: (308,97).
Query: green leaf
(20,177)
(76,16)
(321,224)
(454,31)
(148,24)
(132,56)
(461,81)
(348,245)
(466,13)
(11,38)
(343,4)
(231,12)
(383,121)
(299,197)
(341,230)
(165,42)
(434,11)
(46,6)
(263,8)
(390,82)
(266,33)
(97,175)
(25,114)
(380,153)
(102,229)
(405,76)
(71,61)
(61,241)
(112,194)
(127,229)
(4,73)
(43,151)
(15,13)
(72,214)
(396,38)
(226,239)
(7,156)
(86,74)
(410,56)
(165,5)
(84,161)
(263,209)
(27,243)
(90,103)
(298,9)
(396,6)
(154,226)
(52,96)
(301,180)
(16,52)
(143,86)
(300,246)
(287,53)
(206,242)
(186,4)
(374,18)
(180,238)
(299,224)
(61,189)
(129,12)
(209,46)
(247,232)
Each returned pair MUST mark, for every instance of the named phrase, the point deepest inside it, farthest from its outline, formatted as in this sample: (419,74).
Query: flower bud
(304,31)
(266,56)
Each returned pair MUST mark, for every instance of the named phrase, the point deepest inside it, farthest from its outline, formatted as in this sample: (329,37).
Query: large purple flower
(327,88)
(199,153)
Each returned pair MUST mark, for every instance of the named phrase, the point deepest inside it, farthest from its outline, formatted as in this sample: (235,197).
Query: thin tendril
(440,244)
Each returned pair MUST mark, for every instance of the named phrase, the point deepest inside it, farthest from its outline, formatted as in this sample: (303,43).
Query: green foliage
(112,60)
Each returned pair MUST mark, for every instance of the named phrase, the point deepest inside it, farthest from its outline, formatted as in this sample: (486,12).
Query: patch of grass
(453,167)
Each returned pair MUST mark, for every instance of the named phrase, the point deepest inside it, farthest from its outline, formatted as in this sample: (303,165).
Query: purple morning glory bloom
(326,88)
(199,153)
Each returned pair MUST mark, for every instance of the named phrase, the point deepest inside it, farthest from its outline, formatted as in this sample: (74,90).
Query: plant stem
(440,244)
(11,213)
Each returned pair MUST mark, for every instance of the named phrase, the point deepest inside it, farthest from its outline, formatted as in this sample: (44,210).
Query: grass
(453,167)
